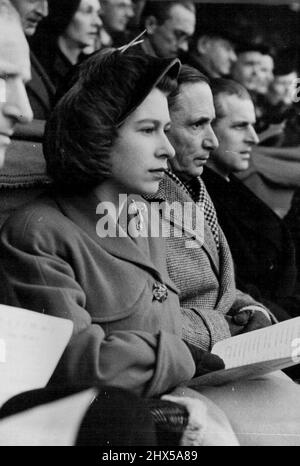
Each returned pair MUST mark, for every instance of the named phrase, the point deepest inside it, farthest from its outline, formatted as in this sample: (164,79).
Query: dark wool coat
(54,262)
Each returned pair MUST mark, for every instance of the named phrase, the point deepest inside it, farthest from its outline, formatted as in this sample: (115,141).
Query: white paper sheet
(31,345)
(270,343)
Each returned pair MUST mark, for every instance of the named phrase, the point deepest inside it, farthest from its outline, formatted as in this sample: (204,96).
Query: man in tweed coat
(200,264)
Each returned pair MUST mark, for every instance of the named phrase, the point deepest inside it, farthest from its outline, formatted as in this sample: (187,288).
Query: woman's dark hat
(151,71)
(155,69)
(110,68)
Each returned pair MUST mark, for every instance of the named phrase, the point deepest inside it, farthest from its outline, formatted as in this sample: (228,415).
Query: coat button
(160,292)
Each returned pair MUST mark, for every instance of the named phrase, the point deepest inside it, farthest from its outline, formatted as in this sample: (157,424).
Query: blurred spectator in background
(266,75)
(71,26)
(115,15)
(283,87)
(212,50)
(170,25)
(281,103)
(254,68)
(292,220)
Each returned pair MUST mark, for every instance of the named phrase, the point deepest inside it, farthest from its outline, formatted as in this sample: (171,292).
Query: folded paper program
(31,345)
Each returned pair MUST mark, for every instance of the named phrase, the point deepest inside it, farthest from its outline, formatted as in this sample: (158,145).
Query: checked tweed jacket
(204,277)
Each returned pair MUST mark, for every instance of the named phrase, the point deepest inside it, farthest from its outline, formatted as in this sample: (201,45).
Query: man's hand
(204,360)
(257,320)
(246,321)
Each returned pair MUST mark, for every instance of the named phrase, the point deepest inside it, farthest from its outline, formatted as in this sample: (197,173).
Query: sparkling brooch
(160,292)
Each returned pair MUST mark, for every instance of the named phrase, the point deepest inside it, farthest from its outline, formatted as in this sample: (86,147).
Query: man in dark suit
(261,245)
(116,15)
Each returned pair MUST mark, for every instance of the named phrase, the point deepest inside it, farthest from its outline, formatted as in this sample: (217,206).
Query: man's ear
(203,44)
(151,24)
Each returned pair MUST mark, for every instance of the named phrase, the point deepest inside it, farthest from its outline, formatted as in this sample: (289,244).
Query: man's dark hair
(221,87)
(84,125)
(187,75)
(161,9)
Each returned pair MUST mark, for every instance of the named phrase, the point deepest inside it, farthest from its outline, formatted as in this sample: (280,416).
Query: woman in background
(60,41)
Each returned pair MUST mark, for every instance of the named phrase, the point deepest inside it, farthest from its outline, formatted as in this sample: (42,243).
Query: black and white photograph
(149,226)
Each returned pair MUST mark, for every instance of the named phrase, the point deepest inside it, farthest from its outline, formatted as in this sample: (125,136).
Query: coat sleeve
(148,364)
(204,327)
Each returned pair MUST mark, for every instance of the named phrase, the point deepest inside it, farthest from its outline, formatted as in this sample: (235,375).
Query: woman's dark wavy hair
(84,124)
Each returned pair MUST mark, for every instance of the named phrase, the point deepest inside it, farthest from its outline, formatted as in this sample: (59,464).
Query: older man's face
(171,37)
(31,12)
(220,56)
(14,73)
(191,133)
(247,68)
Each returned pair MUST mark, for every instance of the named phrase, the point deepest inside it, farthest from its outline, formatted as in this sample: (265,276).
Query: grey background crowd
(256,45)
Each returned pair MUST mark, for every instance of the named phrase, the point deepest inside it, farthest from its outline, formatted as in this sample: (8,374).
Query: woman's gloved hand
(204,360)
